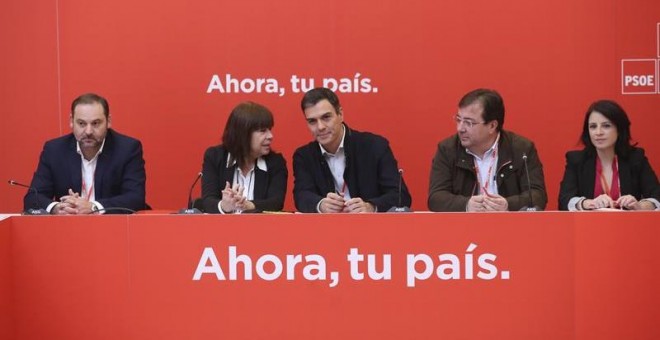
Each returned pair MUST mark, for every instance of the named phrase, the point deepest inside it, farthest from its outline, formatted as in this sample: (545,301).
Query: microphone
(190,209)
(531,206)
(399,208)
(31,211)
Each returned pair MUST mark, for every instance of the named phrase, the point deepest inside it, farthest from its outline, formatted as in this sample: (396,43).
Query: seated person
(242,173)
(343,170)
(482,167)
(609,172)
(94,168)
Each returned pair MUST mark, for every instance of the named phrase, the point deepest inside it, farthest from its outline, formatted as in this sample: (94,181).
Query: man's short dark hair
(490,100)
(91,98)
(313,96)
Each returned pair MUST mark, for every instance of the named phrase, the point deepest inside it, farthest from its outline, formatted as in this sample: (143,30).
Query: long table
(545,275)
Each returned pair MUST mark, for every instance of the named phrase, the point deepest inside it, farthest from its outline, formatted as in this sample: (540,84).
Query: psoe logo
(639,76)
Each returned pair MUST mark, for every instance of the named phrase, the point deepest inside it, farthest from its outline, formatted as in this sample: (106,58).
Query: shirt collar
(79,151)
(261,162)
(341,145)
(488,152)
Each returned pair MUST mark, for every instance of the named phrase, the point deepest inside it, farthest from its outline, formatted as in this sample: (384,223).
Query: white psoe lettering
(643,80)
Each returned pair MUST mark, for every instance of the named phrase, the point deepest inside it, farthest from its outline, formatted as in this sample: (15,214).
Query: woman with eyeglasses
(243,174)
(609,172)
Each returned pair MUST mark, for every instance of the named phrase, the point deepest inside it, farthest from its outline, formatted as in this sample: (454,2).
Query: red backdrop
(154,60)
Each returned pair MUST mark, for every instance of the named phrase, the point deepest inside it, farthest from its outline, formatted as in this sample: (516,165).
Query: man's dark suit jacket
(635,176)
(269,186)
(119,179)
(371,173)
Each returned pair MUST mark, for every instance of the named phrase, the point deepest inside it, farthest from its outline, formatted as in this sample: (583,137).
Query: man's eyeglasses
(468,123)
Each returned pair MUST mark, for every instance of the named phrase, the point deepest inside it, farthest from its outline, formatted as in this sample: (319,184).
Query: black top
(635,176)
(269,186)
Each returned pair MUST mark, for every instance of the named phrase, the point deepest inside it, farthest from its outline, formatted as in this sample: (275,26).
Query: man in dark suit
(344,170)
(91,169)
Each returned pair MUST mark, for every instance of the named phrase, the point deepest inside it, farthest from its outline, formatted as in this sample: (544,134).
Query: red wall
(154,60)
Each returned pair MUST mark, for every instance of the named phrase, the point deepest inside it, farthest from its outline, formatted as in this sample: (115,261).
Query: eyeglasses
(468,123)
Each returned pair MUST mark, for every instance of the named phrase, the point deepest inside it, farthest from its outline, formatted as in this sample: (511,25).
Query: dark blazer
(635,175)
(119,180)
(453,177)
(371,173)
(269,186)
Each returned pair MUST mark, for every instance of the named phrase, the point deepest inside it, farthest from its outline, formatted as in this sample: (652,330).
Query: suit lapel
(102,165)
(625,178)
(326,180)
(349,170)
(260,183)
(505,154)
(99,174)
(228,172)
(589,174)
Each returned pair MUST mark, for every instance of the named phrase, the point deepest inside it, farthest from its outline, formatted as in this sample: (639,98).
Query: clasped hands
(605,201)
(335,203)
(487,202)
(233,200)
(72,204)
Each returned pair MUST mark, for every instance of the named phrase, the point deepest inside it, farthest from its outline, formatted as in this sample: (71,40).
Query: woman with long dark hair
(610,172)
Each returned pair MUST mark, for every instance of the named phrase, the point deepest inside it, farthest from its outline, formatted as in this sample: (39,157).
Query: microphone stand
(31,211)
(399,208)
(531,206)
(190,210)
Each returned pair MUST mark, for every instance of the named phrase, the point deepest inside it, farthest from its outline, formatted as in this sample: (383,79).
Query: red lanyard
(486,186)
(87,194)
(614,190)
